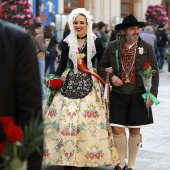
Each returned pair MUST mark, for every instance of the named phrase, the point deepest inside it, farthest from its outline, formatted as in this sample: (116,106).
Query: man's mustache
(135,34)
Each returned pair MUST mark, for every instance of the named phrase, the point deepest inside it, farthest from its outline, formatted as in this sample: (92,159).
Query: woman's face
(40,28)
(80,25)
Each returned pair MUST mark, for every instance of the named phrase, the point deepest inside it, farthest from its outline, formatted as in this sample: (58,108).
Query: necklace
(130,45)
(127,72)
(81,40)
(81,37)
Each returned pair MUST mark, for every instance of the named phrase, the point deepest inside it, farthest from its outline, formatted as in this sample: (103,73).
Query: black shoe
(117,167)
(129,169)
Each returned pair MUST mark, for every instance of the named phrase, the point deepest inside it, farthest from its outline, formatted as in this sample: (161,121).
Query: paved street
(155,151)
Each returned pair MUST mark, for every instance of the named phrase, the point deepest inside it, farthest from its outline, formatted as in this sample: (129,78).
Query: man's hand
(149,103)
(116,81)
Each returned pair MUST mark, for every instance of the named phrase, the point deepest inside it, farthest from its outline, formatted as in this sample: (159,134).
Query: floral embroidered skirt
(77,131)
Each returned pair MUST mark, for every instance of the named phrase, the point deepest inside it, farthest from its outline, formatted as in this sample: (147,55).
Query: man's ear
(122,32)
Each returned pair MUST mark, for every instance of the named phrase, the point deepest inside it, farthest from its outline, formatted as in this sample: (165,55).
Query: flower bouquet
(20,142)
(14,135)
(53,84)
(156,14)
(18,12)
(147,79)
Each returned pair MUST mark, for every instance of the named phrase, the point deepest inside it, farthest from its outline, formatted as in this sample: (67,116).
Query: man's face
(132,33)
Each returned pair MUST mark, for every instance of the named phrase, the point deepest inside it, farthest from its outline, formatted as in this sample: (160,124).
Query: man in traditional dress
(127,56)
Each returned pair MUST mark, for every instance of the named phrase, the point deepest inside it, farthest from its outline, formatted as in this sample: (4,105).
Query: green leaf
(33,137)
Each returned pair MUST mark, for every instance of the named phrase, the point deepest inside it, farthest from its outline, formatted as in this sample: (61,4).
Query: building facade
(108,11)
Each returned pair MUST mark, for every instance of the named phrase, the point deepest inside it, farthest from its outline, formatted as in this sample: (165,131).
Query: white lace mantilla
(72,39)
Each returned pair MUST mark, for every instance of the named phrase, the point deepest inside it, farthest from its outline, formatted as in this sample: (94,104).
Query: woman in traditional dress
(77,132)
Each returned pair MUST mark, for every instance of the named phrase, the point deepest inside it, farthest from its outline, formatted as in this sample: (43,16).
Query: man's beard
(131,39)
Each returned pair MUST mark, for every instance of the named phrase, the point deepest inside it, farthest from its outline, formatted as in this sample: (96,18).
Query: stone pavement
(155,151)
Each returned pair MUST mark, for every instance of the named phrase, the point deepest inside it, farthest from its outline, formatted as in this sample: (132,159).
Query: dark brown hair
(101,25)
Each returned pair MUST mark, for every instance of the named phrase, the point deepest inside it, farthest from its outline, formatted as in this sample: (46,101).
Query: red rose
(14,134)
(2,147)
(7,121)
(147,64)
(55,83)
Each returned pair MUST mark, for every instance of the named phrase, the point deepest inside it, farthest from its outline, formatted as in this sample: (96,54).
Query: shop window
(127,7)
(69,5)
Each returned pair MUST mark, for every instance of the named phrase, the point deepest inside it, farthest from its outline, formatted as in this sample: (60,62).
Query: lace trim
(73,42)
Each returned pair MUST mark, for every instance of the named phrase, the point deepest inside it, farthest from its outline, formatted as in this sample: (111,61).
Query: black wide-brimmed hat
(130,21)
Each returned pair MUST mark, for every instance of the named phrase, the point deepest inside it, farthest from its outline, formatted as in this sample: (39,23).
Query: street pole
(37,7)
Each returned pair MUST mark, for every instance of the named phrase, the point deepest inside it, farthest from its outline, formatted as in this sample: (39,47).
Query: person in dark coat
(113,33)
(66,30)
(50,57)
(127,56)
(20,88)
(162,43)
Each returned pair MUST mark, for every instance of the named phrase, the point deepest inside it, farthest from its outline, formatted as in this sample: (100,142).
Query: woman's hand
(109,70)
(47,41)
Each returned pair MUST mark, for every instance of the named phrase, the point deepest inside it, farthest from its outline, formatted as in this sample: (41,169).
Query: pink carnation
(13,8)
(20,2)
(166,19)
(31,22)
(28,16)
(22,16)
(163,13)
(25,22)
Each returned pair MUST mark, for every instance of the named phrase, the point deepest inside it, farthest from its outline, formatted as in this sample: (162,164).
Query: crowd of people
(81,128)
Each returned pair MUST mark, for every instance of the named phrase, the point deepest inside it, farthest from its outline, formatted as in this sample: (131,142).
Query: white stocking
(133,145)
(120,142)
